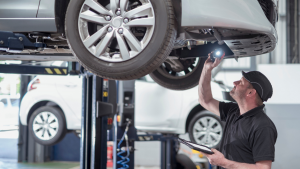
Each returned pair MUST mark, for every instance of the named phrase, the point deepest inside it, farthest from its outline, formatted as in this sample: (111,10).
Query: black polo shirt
(247,138)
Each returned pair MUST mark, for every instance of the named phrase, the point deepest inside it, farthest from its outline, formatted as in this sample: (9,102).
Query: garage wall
(147,153)
(286,118)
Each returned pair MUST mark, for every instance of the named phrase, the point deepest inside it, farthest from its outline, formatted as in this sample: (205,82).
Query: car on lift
(52,107)
(127,39)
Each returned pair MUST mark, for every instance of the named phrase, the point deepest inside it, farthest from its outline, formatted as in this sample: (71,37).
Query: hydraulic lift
(102,100)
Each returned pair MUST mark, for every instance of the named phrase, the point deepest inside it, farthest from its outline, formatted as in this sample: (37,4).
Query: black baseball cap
(260,83)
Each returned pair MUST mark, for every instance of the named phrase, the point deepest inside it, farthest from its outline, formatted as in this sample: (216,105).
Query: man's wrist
(225,163)
(208,69)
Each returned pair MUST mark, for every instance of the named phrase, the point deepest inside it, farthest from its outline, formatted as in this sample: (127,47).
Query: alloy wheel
(117,31)
(178,69)
(207,131)
(45,125)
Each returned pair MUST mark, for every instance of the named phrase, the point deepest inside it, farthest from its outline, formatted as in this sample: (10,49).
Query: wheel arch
(192,113)
(60,14)
(40,104)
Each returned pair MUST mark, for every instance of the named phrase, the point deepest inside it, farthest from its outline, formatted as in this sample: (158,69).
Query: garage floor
(12,164)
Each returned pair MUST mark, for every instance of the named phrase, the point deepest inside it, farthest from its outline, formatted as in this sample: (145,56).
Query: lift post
(126,98)
(98,109)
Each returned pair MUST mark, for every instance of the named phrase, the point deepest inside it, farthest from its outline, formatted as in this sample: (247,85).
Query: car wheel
(206,128)
(47,125)
(184,162)
(179,74)
(123,41)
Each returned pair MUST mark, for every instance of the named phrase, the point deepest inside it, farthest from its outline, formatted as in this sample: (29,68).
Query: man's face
(240,89)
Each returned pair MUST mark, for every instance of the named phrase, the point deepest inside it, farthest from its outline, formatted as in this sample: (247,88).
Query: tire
(56,129)
(156,50)
(184,162)
(213,138)
(181,79)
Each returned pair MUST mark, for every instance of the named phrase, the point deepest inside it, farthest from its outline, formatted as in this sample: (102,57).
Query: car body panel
(239,16)
(46,9)
(19,8)
(21,16)
(156,108)
(28,24)
(70,90)
(191,101)
(48,92)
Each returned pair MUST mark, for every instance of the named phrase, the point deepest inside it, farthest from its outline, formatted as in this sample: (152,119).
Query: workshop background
(281,67)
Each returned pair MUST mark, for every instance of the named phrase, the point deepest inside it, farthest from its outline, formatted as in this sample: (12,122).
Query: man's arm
(204,88)
(218,159)
(258,165)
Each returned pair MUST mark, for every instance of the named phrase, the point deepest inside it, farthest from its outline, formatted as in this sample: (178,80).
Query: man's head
(253,86)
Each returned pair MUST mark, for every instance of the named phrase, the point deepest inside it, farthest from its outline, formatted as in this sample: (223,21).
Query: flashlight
(217,53)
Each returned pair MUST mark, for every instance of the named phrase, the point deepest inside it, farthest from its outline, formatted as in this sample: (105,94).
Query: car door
(13,9)
(22,16)
(70,90)
(156,108)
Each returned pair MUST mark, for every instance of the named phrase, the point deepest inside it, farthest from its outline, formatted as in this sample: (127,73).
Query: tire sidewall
(144,59)
(61,122)
(197,117)
(179,84)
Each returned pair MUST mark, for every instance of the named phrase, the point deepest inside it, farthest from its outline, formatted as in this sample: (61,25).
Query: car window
(4,101)
(15,102)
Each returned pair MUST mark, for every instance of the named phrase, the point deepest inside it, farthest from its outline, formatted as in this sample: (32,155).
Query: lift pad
(15,43)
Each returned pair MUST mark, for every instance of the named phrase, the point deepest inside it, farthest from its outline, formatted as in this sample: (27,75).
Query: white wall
(285,81)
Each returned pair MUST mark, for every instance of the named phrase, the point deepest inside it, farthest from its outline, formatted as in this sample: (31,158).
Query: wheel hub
(116,22)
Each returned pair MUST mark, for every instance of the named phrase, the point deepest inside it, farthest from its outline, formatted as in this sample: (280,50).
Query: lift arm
(16,42)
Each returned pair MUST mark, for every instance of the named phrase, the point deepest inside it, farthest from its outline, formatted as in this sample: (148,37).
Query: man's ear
(251,93)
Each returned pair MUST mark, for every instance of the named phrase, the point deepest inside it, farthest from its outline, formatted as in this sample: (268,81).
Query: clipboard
(198,147)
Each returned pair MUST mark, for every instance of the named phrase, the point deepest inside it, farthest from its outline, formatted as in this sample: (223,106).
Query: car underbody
(192,39)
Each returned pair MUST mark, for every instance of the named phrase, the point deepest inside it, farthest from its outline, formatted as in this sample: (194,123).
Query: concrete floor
(12,164)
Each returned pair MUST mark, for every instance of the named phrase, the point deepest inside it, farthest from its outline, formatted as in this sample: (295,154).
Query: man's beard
(236,95)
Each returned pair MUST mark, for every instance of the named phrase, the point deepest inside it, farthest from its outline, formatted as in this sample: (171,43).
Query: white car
(52,106)
(127,39)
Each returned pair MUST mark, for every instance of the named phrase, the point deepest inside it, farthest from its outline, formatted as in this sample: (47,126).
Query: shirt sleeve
(226,109)
(263,144)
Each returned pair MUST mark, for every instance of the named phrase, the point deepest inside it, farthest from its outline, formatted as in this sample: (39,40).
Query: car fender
(207,14)
(184,115)
(33,97)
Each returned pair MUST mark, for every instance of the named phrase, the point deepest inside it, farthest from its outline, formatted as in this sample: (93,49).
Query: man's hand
(209,64)
(217,158)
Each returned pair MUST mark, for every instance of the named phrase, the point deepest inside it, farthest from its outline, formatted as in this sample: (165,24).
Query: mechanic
(249,134)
